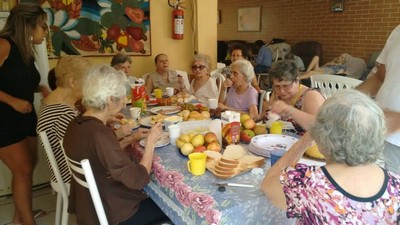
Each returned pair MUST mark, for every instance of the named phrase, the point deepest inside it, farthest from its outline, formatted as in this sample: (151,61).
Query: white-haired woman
(349,131)
(120,180)
(242,96)
(202,86)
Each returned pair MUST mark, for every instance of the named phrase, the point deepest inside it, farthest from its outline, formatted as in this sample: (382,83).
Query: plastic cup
(169,91)
(276,155)
(197,163)
(212,103)
(135,112)
(158,93)
(174,131)
(276,127)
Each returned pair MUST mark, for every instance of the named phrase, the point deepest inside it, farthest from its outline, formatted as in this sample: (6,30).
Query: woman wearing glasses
(163,77)
(293,101)
(202,86)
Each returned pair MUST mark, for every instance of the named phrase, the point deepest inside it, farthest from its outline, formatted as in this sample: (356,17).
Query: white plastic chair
(219,78)
(264,95)
(329,84)
(185,77)
(85,169)
(60,187)
(221,65)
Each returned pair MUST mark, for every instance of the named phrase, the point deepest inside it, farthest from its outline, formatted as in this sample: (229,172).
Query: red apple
(214,146)
(246,135)
(249,124)
(210,137)
(200,149)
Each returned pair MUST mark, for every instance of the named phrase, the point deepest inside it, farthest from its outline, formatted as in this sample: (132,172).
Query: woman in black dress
(25,27)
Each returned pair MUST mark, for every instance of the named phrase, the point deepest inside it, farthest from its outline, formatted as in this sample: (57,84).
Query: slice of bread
(252,161)
(228,161)
(213,155)
(234,152)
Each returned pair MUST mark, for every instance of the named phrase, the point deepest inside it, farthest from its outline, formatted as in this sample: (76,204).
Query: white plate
(164,140)
(146,121)
(264,144)
(171,109)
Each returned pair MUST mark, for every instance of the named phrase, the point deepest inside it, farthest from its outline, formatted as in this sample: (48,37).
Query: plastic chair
(219,78)
(85,169)
(221,65)
(329,84)
(60,187)
(185,77)
(264,95)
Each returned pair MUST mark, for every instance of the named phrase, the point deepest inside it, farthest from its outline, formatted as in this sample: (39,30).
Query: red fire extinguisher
(177,24)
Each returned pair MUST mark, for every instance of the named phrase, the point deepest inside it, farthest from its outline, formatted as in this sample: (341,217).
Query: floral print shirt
(313,197)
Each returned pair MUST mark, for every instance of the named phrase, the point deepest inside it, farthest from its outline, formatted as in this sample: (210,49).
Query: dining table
(198,200)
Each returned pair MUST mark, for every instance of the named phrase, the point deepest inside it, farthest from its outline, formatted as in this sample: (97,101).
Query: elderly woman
(293,101)
(122,62)
(119,179)
(202,86)
(163,77)
(241,97)
(350,189)
(335,66)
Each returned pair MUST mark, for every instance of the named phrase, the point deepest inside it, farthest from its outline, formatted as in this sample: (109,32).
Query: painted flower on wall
(94,27)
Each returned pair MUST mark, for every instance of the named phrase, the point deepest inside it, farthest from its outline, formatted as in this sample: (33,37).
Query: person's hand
(222,106)
(115,119)
(154,134)
(280,107)
(140,134)
(122,130)
(228,83)
(22,106)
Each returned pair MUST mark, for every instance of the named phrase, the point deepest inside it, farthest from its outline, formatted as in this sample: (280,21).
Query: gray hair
(245,68)
(202,58)
(284,70)
(350,128)
(71,66)
(120,58)
(101,83)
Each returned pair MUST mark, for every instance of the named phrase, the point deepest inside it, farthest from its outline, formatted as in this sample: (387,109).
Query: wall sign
(249,19)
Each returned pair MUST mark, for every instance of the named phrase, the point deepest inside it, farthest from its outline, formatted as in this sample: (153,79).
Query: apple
(197,140)
(179,143)
(249,124)
(210,137)
(187,148)
(200,149)
(244,117)
(246,135)
(214,146)
(184,138)
(260,129)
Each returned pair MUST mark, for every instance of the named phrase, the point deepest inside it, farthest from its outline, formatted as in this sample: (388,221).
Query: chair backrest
(144,76)
(64,190)
(220,65)
(329,84)
(84,168)
(219,78)
(185,77)
(263,96)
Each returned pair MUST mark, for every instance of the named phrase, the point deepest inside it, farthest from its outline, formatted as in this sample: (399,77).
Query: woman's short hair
(120,58)
(101,83)
(242,48)
(245,68)
(71,66)
(202,58)
(350,128)
(284,70)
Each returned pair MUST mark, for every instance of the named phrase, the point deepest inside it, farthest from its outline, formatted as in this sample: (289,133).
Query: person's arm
(151,140)
(134,137)
(4,50)
(373,83)
(271,185)
(392,121)
(149,85)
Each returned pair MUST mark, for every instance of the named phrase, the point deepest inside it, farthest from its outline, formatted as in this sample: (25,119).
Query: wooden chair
(62,189)
(329,84)
(84,168)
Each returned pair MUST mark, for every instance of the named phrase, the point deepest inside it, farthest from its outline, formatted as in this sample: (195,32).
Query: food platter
(146,121)
(164,140)
(166,110)
(263,144)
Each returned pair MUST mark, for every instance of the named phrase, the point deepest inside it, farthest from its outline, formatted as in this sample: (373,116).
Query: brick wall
(360,29)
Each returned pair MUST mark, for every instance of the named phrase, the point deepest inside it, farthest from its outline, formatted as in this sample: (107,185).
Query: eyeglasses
(284,87)
(201,67)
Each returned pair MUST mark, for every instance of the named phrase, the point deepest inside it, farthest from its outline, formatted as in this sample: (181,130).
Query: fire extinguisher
(177,23)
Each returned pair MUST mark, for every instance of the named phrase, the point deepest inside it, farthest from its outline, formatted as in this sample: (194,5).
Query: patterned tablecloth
(188,199)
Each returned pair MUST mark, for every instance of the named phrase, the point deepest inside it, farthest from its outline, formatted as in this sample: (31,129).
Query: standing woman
(25,27)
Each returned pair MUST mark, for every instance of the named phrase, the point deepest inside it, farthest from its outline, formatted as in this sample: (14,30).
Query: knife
(233,184)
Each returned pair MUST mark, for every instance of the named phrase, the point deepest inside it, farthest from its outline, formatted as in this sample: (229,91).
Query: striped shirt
(54,119)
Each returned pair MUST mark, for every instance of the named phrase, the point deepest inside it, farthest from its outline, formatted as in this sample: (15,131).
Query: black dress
(18,80)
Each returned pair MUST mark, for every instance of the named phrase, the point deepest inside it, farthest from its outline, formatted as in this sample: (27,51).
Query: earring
(31,38)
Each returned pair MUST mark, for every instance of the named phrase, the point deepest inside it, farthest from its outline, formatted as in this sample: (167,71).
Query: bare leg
(20,158)
(314,64)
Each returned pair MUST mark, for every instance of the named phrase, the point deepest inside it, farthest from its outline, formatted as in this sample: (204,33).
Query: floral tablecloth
(188,199)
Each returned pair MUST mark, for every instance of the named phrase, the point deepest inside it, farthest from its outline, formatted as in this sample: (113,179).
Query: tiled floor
(43,199)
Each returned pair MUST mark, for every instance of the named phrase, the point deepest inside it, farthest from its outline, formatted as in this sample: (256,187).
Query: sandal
(39,213)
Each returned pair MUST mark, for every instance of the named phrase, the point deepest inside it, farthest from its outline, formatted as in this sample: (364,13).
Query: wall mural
(98,27)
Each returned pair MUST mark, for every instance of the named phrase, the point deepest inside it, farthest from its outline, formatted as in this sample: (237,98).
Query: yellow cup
(197,163)
(158,93)
(276,127)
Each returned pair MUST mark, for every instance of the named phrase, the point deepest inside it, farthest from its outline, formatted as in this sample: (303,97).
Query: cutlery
(233,184)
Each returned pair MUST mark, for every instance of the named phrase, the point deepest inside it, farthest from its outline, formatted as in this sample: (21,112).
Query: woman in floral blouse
(350,189)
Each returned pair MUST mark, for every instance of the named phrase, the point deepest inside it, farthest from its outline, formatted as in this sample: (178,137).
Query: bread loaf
(234,152)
